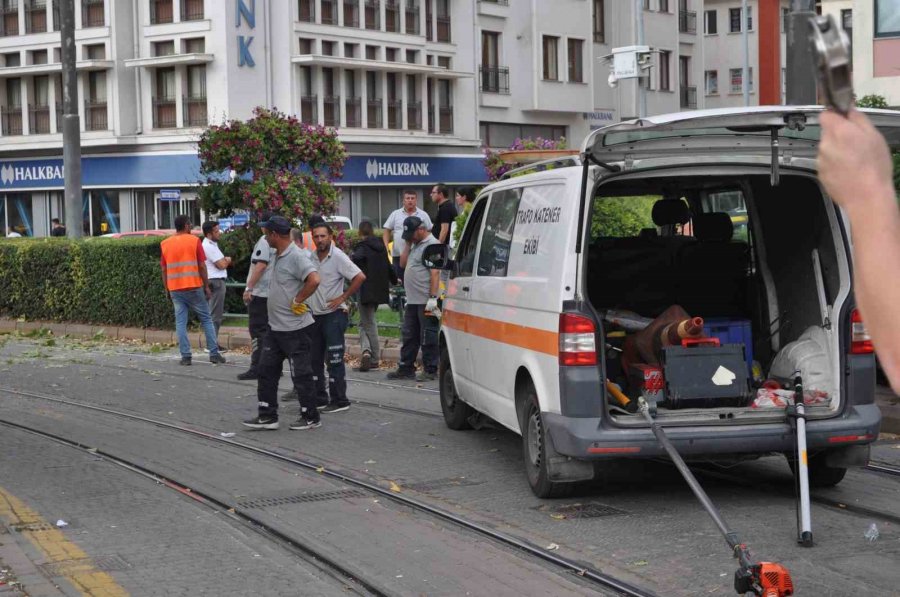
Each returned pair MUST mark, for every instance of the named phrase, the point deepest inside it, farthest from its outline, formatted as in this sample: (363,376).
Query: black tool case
(690,372)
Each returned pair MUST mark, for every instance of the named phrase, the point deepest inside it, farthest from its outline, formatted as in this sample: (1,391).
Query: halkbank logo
(10,174)
(376,168)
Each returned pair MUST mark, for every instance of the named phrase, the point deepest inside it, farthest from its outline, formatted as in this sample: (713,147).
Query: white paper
(723,377)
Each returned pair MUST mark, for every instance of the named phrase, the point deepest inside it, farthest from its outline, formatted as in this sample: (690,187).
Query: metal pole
(71,124)
(745,77)
(641,86)
(801,72)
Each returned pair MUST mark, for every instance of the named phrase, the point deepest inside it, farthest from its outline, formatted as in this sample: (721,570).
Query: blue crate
(732,331)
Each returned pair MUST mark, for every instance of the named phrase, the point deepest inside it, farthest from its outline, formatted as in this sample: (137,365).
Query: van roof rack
(570,159)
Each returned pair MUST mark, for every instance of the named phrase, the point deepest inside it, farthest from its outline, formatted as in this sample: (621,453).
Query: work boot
(401,374)
(426,376)
(247,375)
(365,362)
(216,359)
(185,361)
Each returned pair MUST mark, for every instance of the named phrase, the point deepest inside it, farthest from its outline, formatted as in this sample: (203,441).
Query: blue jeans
(193,299)
(327,335)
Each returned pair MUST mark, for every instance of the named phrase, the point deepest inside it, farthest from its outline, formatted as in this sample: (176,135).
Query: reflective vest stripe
(182,275)
(182,264)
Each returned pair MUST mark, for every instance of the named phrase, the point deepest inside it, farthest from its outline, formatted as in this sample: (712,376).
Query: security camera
(612,80)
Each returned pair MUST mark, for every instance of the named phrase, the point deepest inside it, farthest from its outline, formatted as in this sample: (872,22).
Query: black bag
(706,376)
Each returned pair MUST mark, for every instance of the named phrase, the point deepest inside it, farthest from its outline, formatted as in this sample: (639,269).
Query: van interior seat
(713,272)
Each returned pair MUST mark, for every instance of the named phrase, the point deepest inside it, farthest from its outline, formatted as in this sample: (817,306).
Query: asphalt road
(639,522)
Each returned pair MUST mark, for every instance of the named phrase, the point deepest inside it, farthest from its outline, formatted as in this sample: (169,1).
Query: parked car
(149,233)
(339,222)
(524,340)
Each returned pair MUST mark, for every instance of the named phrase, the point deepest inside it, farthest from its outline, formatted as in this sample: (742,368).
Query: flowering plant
(496,167)
(271,162)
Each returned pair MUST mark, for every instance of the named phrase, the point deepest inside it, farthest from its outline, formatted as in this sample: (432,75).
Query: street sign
(170,194)
(226,224)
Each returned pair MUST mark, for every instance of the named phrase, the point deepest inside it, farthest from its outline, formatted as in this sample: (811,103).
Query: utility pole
(745,76)
(71,123)
(641,85)
(801,71)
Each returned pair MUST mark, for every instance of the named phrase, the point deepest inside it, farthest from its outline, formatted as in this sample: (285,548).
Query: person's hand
(247,297)
(208,292)
(299,308)
(335,302)
(228,259)
(854,160)
(432,309)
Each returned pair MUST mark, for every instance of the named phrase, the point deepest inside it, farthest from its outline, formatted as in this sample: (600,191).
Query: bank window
(18,215)
(496,240)
(105,212)
(465,253)
(887,18)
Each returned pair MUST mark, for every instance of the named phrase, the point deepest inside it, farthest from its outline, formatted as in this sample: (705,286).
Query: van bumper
(594,439)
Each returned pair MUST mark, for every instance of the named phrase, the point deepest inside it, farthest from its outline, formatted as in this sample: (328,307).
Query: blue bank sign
(246,13)
(413,170)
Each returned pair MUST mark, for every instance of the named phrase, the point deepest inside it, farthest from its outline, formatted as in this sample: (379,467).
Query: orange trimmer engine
(766,579)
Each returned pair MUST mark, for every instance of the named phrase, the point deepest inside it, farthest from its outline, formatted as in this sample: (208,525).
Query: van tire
(456,412)
(534,449)
(820,474)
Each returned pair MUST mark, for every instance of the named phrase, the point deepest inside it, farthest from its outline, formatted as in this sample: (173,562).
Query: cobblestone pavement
(639,521)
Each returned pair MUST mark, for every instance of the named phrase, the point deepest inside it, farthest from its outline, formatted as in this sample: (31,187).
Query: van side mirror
(436,256)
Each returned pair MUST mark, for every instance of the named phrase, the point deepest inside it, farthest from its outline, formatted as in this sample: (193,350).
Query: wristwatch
(248,289)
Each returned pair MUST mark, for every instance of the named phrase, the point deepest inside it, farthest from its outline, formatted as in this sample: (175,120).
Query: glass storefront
(18,214)
(104,212)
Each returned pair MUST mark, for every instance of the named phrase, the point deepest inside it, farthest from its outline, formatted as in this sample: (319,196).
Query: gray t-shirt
(417,277)
(333,271)
(289,271)
(394,223)
(265,253)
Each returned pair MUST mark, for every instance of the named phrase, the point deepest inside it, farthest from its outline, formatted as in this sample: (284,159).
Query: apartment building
(397,78)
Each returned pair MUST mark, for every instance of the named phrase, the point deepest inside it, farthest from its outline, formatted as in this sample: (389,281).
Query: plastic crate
(732,331)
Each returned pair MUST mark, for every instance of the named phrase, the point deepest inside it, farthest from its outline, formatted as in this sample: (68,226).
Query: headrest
(713,227)
(667,212)
(648,233)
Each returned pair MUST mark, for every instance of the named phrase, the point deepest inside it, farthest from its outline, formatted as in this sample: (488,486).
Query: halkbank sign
(12,173)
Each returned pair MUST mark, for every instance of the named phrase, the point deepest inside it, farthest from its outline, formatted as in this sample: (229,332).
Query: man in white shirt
(217,270)
(393,227)
(329,308)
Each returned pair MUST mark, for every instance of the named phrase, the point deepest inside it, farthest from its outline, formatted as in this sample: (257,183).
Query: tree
(271,162)
(622,217)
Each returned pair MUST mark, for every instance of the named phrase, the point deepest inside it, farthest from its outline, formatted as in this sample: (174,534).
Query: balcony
(11,120)
(495,79)
(354,112)
(309,109)
(192,10)
(161,12)
(39,120)
(414,116)
(373,113)
(391,16)
(332,108)
(9,20)
(194,110)
(164,113)
(36,16)
(95,118)
(329,12)
(351,14)
(689,97)
(687,21)
(395,114)
(373,15)
(443,29)
(500,2)
(92,13)
(412,19)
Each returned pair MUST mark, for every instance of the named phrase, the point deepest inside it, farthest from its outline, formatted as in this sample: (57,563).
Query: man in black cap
(420,322)
(293,280)
(256,297)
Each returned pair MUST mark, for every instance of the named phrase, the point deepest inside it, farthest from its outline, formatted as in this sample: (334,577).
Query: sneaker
(334,408)
(366,362)
(248,375)
(426,376)
(261,423)
(216,359)
(302,424)
(401,374)
(186,361)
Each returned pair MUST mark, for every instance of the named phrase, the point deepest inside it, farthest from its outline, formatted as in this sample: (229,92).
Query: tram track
(882,468)
(564,564)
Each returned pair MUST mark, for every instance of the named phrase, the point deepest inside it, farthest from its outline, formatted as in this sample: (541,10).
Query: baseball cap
(410,225)
(277,224)
(264,219)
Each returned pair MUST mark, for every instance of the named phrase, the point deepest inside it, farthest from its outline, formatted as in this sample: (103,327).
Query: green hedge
(102,281)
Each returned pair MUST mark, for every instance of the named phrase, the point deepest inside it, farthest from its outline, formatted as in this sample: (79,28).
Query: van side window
(493,257)
(465,253)
(732,202)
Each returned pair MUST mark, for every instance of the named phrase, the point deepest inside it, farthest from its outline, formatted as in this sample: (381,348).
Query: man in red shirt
(183,264)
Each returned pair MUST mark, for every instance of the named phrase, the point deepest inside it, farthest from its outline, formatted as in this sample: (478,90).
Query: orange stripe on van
(507,333)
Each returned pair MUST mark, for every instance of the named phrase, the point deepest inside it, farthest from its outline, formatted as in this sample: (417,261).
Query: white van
(719,212)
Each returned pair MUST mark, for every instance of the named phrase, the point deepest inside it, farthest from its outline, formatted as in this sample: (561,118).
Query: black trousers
(259,327)
(293,346)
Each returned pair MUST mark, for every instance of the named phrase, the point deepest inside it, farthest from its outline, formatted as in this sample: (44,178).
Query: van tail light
(577,346)
(860,341)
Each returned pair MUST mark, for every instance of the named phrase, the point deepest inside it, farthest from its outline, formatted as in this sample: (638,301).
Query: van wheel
(820,474)
(456,412)
(534,450)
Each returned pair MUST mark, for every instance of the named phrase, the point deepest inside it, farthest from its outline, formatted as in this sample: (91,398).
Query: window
(847,19)
(196,81)
(749,18)
(734,20)
(92,13)
(495,134)
(444,62)
(327,48)
(38,56)
(646,4)
(465,253)
(710,22)
(95,52)
(663,5)
(97,86)
(35,16)
(305,46)
(599,22)
(371,52)
(163,48)
(551,58)
(306,11)
(496,240)
(750,79)
(329,12)
(12,59)
(351,50)
(14,93)
(95,115)
(712,82)
(192,10)
(736,80)
(195,45)
(412,56)
(576,60)
(664,78)
(165,83)
(161,12)
(494,78)
(9,23)
(490,49)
